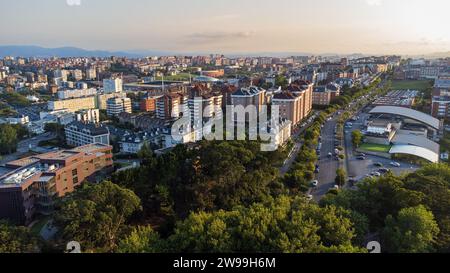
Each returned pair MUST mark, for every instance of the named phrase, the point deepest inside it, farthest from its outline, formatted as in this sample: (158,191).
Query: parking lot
(359,169)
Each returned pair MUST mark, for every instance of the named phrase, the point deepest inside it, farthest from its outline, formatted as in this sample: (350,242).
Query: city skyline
(232,27)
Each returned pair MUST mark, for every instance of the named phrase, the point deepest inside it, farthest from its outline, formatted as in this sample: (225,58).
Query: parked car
(315,183)
(361,158)
(309,197)
(378,164)
(395,164)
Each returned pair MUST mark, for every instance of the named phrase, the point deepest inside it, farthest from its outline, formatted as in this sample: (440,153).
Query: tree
(143,239)
(8,139)
(357,138)
(281,225)
(15,239)
(340,177)
(281,80)
(414,230)
(95,215)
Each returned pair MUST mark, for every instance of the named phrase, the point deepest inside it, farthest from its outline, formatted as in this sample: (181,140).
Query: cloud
(374,2)
(219,36)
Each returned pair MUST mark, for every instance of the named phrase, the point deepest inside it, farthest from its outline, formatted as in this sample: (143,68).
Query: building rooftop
(94,129)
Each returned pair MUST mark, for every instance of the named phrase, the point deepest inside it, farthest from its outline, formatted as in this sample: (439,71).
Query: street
(328,166)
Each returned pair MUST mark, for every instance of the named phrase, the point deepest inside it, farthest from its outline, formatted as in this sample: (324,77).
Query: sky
(231,26)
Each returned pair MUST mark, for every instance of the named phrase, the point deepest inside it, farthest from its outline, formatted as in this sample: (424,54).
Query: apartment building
(72,105)
(114,85)
(88,116)
(290,106)
(115,106)
(33,184)
(252,95)
(76,93)
(171,106)
(79,134)
(324,95)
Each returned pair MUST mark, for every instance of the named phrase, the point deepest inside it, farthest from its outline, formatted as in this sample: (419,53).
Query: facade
(88,116)
(171,106)
(290,106)
(34,183)
(72,105)
(101,99)
(79,134)
(148,104)
(112,85)
(249,96)
(76,93)
(115,106)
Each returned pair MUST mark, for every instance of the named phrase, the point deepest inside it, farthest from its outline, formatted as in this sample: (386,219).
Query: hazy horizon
(405,27)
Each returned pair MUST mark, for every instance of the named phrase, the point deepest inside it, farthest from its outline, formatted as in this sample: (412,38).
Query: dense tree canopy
(95,215)
(15,239)
(401,206)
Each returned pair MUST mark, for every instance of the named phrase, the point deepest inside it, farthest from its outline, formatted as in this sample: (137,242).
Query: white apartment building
(80,134)
(72,105)
(76,93)
(112,85)
(115,106)
(88,116)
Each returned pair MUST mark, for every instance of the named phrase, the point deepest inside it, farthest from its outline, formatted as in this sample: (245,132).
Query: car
(378,164)
(377,174)
(395,164)
(317,170)
(336,187)
(361,158)
(309,197)
(383,170)
(315,183)
(330,154)
(361,154)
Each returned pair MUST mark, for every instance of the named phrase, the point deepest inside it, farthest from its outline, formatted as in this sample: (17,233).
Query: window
(74,172)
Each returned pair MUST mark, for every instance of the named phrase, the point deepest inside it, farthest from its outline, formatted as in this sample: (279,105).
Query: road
(328,166)
(24,146)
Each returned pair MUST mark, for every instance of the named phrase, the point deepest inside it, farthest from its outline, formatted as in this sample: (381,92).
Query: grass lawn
(412,85)
(375,148)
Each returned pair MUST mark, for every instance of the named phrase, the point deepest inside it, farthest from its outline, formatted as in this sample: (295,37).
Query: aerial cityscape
(291,126)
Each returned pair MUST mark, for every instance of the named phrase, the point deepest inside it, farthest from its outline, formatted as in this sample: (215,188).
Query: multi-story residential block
(324,95)
(91,74)
(79,134)
(251,96)
(34,183)
(112,85)
(101,99)
(170,106)
(115,106)
(148,104)
(72,105)
(76,93)
(88,116)
(290,106)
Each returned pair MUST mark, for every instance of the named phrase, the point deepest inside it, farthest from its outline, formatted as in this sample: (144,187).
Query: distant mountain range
(43,52)
(37,51)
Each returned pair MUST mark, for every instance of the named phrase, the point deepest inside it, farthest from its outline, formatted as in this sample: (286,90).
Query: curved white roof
(205,79)
(409,113)
(415,150)
(421,141)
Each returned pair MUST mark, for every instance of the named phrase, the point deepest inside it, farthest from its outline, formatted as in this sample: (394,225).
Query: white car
(336,187)
(315,183)
(309,197)
(395,164)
